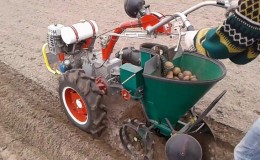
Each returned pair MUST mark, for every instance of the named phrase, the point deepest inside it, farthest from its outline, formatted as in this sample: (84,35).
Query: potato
(176,78)
(186,78)
(193,76)
(180,76)
(187,73)
(168,64)
(169,75)
(194,79)
(176,71)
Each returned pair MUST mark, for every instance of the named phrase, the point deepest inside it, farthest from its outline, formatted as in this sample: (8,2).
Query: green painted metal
(147,52)
(144,56)
(168,98)
(131,77)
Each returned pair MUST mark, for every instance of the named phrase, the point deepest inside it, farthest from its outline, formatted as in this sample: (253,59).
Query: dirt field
(32,123)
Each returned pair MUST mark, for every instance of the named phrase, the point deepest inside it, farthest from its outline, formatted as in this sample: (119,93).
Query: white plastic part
(55,29)
(189,39)
(78,32)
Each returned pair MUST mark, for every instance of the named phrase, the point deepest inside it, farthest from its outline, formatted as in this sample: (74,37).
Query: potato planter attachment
(169,103)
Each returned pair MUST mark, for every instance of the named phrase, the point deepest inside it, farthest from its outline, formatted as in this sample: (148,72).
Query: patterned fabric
(250,9)
(238,38)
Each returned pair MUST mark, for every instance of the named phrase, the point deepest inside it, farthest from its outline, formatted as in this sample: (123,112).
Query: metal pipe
(169,124)
(183,14)
(202,4)
(162,22)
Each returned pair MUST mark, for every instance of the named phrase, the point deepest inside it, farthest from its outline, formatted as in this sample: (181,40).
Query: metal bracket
(133,34)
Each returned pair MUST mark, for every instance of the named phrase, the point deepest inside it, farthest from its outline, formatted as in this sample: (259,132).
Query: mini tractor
(88,74)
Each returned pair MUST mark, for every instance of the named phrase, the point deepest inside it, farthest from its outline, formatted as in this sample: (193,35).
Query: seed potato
(180,76)
(176,74)
(186,78)
(168,64)
(193,76)
(169,75)
(176,78)
(194,79)
(176,71)
(187,73)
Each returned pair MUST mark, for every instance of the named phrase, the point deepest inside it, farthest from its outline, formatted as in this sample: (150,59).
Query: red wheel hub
(75,105)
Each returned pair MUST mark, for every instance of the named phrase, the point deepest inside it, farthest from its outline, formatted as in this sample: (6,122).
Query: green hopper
(170,99)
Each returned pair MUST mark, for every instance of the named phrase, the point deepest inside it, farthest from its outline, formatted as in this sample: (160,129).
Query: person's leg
(249,146)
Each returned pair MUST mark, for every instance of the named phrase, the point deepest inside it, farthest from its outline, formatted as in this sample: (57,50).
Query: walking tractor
(168,82)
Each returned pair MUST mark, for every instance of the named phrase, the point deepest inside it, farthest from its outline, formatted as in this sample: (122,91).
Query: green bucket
(171,99)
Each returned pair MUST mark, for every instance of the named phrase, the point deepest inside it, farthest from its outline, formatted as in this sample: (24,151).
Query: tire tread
(92,96)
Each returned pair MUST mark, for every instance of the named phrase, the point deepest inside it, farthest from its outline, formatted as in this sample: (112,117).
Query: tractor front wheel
(82,102)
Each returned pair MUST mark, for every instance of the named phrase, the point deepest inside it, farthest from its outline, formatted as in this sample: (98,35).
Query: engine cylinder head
(54,38)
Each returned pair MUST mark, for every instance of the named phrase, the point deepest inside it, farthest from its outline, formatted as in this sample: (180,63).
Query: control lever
(178,29)
(178,49)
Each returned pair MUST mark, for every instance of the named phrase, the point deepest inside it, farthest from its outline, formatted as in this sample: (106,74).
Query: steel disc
(206,139)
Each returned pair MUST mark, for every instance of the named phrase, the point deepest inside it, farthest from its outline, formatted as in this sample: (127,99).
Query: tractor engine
(68,43)
(69,39)
(73,48)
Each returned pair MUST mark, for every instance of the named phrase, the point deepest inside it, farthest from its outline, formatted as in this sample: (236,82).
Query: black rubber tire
(87,89)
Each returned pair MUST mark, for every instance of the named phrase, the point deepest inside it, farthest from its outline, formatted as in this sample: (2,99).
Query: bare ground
(33,125)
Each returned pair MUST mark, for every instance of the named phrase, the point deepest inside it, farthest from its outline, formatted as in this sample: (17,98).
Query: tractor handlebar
(183,15)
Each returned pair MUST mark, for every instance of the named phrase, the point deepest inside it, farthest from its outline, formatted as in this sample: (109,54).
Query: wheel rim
(75,105)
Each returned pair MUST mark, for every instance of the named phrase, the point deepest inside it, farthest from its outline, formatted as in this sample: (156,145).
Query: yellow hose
(47,61)
(58,72)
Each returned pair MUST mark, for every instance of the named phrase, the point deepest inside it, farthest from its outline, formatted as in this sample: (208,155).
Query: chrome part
(54,38)
(182,16)
(79,104)
(133,34)
(104,40)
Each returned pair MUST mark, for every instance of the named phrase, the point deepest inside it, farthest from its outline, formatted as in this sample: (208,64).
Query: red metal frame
(154,18)
(144,22)
(108,50)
